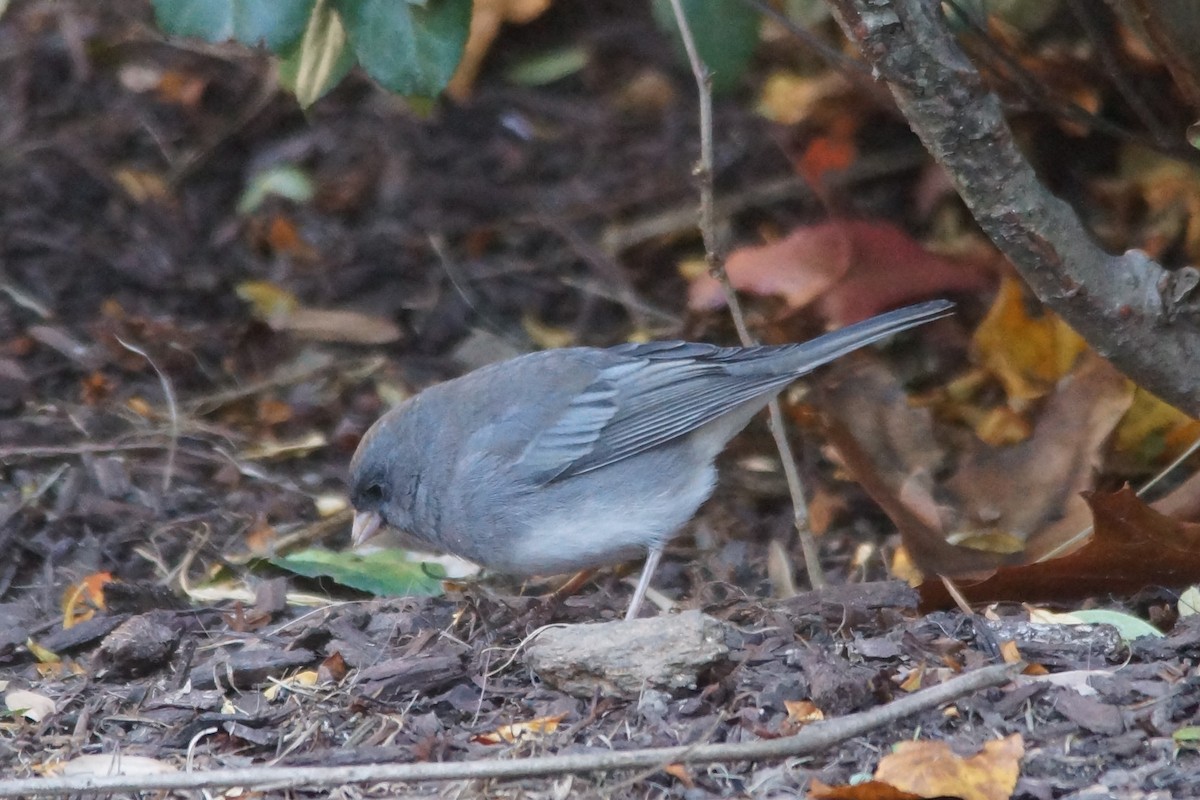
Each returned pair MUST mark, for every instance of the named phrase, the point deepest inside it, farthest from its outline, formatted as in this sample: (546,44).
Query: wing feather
(645,395)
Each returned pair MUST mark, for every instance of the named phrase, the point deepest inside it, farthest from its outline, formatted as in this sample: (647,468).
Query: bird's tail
(799,359)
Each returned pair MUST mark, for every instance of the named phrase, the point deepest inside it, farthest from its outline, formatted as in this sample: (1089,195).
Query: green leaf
(281,180)
(410,48)
(1189,734)
(725,31)
(1130,627)
(384,572)
(278,24)
(320,60)
(548,67)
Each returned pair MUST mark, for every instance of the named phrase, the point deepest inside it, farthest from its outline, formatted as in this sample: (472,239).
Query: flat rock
(668,652)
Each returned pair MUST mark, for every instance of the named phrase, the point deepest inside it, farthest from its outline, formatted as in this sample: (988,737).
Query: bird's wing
(646,396)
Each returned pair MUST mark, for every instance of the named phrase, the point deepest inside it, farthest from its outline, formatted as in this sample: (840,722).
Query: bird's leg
(644,582)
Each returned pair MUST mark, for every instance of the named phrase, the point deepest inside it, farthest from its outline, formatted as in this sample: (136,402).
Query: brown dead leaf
(181,89)
(933,769)
(282,311)
(486,18)
(867,790)
(1132,547)
(333,668)
(284,238)
(926,545)
(851,269)
(338,325)
(1003,505)
(95,388)
(893,453)
(520,731)
(681,773)
(824,508)
(802,712)
(82,600)
(1183,502)
(1030,491)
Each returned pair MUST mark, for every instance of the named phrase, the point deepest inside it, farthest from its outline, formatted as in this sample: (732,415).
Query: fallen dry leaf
(933,769)
(1030,492)
(83,599)
(1183,502)
(520,731)
(1028,352)
(867,790)
(486,18)
(282,311)
(1152,431)
(111,764)
(802,712)
(31,705)
(1002,505)
(852,269)
(1132,547)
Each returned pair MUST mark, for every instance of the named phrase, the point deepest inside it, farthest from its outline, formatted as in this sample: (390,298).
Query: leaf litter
(200,629)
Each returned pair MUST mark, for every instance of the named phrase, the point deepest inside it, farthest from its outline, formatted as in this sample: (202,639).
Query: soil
(152,427)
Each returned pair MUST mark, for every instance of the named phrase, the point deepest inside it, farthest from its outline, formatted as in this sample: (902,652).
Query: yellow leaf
(932,769)
(546,336)
(267,301)
(1151,429)
(1027,354)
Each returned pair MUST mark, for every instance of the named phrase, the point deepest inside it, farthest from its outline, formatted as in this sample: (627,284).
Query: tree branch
(812,739)
(1140,316)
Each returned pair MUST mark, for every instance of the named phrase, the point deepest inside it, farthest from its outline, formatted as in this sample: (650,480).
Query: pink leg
(643,582)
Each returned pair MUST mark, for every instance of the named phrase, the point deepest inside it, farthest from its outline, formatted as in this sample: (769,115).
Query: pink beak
(366,524)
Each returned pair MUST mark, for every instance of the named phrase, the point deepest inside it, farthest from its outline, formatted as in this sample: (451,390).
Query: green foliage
(278,24)
(725,32)
(384,572)
(410,47)
(1129,627)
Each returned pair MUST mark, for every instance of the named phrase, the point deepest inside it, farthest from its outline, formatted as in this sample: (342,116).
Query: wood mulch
(122,159)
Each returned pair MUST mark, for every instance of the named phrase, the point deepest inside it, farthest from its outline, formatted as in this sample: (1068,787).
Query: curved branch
(1140,316)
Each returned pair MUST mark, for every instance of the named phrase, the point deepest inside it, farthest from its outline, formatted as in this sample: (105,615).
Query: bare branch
(1129,309)
(813,739)
(714,254)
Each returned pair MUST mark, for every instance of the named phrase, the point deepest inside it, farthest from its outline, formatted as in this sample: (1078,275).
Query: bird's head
(383,478)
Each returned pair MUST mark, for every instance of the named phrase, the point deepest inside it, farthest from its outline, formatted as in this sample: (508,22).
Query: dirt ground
(480,229)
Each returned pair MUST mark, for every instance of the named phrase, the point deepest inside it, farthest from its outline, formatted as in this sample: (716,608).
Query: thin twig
(172,413)
(1106,50)
(715,256)
(831,55)
(1043,98)
(813,739)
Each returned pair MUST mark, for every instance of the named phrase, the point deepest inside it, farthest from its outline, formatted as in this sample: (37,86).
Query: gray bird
(568,459)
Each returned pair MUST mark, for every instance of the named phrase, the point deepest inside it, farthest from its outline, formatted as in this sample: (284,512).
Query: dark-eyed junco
(567,459)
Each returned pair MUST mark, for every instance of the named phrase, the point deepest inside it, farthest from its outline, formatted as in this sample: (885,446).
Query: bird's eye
(370,495)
